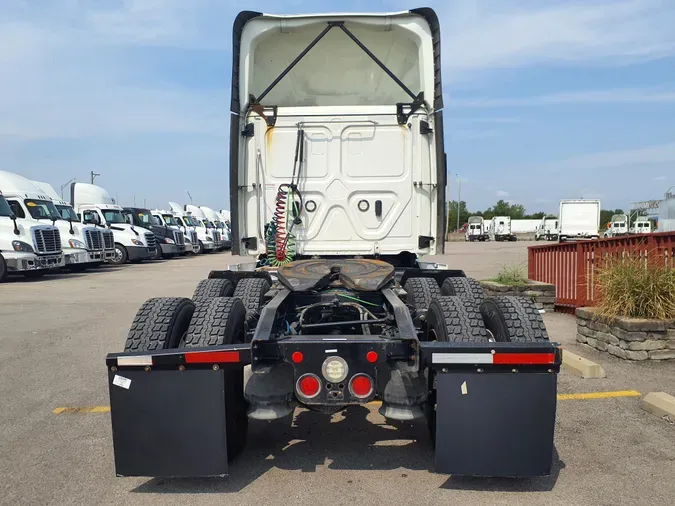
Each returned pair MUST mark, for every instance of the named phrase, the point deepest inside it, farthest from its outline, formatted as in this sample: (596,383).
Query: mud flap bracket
(495,424)
(168,423)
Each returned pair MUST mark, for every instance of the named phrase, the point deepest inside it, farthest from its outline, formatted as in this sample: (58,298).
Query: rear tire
(453,319)
(465,288)
(160,324)
(421,291)
(211,288)
(3,269)
(215,323)
(513,320)
(251,291)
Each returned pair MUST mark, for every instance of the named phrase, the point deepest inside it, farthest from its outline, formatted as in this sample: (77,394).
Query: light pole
(188,194)
(459,198)
(93,175)
(64,185)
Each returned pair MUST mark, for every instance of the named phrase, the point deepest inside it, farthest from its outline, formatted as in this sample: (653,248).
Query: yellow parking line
(599,395)
(561,397)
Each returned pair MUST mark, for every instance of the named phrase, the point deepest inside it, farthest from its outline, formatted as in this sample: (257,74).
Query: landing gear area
(324,335)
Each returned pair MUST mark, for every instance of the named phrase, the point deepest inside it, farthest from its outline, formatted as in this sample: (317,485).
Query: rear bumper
(491,406)
(21,262)
(139,252)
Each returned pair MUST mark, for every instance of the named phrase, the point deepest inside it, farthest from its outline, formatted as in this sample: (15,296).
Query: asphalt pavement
(55,335)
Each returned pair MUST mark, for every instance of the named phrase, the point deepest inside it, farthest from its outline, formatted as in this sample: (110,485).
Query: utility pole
(64,185)
(459,198)
(188,194)
(93,175)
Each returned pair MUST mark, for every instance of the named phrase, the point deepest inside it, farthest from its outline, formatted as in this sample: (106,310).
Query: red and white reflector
(212,357)
(308,386)
(494,358)
(137,360)
(361,386)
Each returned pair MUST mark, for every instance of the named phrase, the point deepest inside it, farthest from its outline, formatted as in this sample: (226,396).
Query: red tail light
(361,386)
(309,386)
(372,356)
(297,357)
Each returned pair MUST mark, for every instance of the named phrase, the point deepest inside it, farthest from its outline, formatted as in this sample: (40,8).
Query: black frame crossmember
(401,116)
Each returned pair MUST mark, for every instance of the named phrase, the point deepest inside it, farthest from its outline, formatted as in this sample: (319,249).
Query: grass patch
(628,287)
(511,275)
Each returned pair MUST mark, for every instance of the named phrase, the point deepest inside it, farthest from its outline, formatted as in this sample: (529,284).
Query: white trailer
(579,219)
(95,206)
(548,229)
(524,226)
(500,229)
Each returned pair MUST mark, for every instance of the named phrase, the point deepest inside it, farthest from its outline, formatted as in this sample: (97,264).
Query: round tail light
(361,386)
(308,386)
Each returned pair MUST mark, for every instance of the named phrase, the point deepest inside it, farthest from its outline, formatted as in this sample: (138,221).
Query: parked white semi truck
(548,230)
(201,240)
(99,242)
(618,226)
(475,230)
(212,231)
(26,248)
(223,232)
(641,226)
(579,219)
(34,241)
(96,207)
(167,219)
(500,229)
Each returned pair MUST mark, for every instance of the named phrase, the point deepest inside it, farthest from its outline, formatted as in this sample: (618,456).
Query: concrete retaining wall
(627,338)
(543,294)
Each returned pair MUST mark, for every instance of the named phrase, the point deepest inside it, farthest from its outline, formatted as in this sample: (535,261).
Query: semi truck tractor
(222,233)
(579,219)
(96,207)
(199,238)
(641,226)
(167,219)
(337,176)
(475,230)
(170,241)
(500,229)
(26,247)
(618,226)
(34,245)
(548,230)
(207,225)
(98,242)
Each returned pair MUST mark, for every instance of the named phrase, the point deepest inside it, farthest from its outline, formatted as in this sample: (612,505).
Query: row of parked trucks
(40,231)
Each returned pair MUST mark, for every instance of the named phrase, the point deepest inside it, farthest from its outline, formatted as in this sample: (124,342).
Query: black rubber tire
(453,319)
(216,322)
(513,320)
(466,288)
(158,252)
(3,269)
(124,256)
(252,292)
(201,248)
(160,324)
(420,292)
(211,288)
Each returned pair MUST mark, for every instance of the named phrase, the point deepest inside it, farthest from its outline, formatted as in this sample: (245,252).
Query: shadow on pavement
(346,441)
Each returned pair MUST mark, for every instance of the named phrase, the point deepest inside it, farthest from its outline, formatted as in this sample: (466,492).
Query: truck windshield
(5,210)
(170,220)
(42,209)
(67,213)
(145,218)
(113,216)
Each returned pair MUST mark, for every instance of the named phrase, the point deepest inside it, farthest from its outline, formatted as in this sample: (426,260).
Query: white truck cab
(641,226)
(82,245)
(95,206)
(219,224)
(500,229)
(31,244)
(169,221)
(475,230)
(190,228)
(547,229)
(618,225)
(212,233)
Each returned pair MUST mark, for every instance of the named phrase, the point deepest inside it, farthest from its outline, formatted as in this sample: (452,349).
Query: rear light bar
(494,358)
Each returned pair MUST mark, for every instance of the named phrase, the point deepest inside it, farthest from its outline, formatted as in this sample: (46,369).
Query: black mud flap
(168,423)
(495,424)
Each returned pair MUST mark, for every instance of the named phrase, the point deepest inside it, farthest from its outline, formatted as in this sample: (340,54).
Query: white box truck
(99,242)
(579,219)
(95,206)
(500,229)
(26,247)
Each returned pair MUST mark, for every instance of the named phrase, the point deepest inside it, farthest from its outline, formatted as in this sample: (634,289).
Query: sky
(544,99)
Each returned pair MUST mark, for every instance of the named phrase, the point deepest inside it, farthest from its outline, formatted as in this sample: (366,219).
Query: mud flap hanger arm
(402,118)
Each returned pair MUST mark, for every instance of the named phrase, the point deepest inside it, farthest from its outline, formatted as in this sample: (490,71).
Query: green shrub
(628,287)
(511,275)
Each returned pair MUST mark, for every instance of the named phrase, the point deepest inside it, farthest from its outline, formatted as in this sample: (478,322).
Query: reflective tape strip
(461,358)
(212,357)
(139,360)
(524,358)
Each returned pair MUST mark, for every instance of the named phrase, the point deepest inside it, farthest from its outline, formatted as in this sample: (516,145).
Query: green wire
(357,299)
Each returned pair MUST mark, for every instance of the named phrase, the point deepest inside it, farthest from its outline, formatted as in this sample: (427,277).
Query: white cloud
(648,155)
(502,193)
(642,96)
(659,178)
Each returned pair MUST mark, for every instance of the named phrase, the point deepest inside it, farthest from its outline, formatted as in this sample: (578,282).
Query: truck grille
(179,238)
(94,239)
(47,239)
(216,236)
(194,239)
(108,239)
(150,239)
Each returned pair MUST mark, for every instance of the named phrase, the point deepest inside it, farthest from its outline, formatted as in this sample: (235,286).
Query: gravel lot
(57,331)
